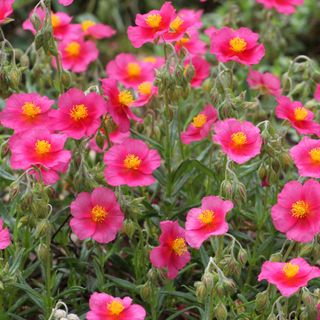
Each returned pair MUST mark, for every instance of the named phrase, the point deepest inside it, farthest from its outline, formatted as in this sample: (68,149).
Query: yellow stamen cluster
(42,147)
(30,110)
(145,88)
(153,20)
(199,121)
(125,98)
(55,20)
(300,209)
(300,113)
(86,25)
(115,307)
(132,162)
(315,155)
(79,112)
(98,214)
(179,246)
(238,45)
(207,216)
(176,24)
(290,270)
(239,138)
(133,70)
(73,49)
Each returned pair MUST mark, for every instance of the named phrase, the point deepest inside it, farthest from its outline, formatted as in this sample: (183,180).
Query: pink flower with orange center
(145,91)
(152,25)
(119,104)
(106,307)
(241,141)
(131,163)
(290,276)
(5,10)
(96,215)
(265,82)
(25,111)
(78,115)
(207,221)
(5,239)
(178,27)
(97,30)
(299,116)
(297,212)
(239,45)
(306,156)
(130,71)
(282,6)
(41,149)
(77,54)
(192,43)
(194,15)
(172,253)
(200,126)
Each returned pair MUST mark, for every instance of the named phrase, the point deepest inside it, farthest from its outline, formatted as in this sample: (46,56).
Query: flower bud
(262,300)
(39,41)
(72,316)
(307,298)
(201,291)
(100,140)
(207,280)
(243,256)
(306,250)
(220,311)
(24,61)
(36,21)
(272,317)
(276,257)
(14,76)
(229,285)
(43,252)
(146,291)
(43,228)
(66,79)
(58,314)
(227,189)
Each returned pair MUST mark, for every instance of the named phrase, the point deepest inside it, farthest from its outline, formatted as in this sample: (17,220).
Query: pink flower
(61,24)
(155,61)
(106,307)
(146,91)
(210,31)
(77,54)
(193,15)
(241,141)
(300,117)
(5,240)
(131,163)
(5,10)
(66,2)
(290,276)
(200,126)
(207,221)
(119,104)
(297,212)
(173,250)
(127,69)
(192,43)
(201,70)
(96,215)
(97,30)
(41,149)
(239,45)
(25,111)
(317,92)
(116,137)
(78,115)
(266,82)
(282,6)
(152,25)
(306,156)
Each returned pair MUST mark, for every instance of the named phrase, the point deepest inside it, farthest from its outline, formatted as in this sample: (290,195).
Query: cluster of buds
(60,312)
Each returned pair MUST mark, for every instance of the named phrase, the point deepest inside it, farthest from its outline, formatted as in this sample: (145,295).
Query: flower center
(290,270)
(153,20)
(79,112)
(150,59)
(133,70)
(238,45)
(300,209)
(55,20)
(200,120)
(98,214)
(125,98)
(115,307)
(206,216)
(132,162)
(315,155)
(183,41)
(145,88)
(73,49)
(176,24)
(42,147)
(86,25)
(300,113)
(179,246)
(30,110)
(239,138)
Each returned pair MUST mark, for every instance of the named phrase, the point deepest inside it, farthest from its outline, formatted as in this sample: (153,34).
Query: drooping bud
(242,256)
(220,311)
(146,291)
(262,300)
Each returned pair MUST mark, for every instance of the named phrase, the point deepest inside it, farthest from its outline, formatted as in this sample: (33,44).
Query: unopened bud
(307,298)
(146,291)
(24,61)
(58,314)
(220,311)
(229,285)
(43,228)
(43,252)
(36,21)
(129,228)
(306,250)
(14,76)
(227,189)
(207,280)
(276,257)
(66,79)
(243,256)
(201,291)
(72,316)
(262,300)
